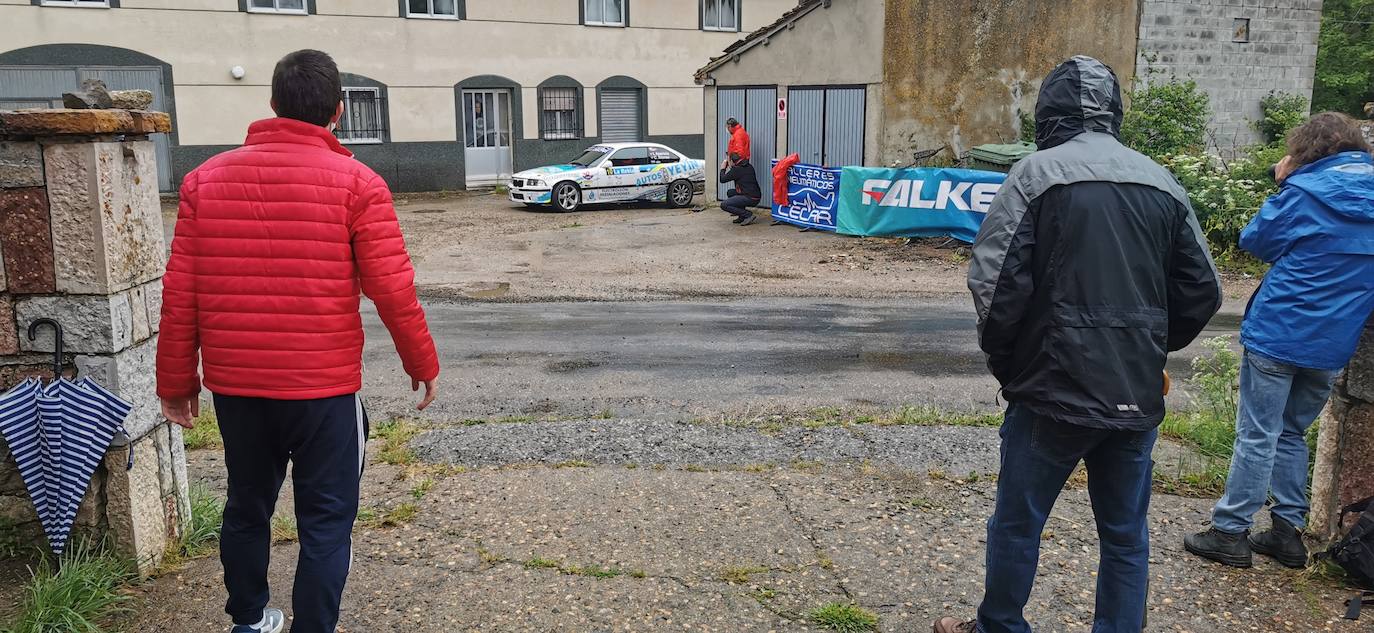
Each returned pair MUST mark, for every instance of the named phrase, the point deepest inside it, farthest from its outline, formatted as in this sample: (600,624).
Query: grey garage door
(756,110)
(825,126)
(42,87)
(620,115)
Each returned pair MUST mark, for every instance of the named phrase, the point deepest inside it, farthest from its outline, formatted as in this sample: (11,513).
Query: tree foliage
(1345,57)
(1281,112)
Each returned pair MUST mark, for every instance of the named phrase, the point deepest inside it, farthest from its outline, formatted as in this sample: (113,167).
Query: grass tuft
(75,596)
(541,563)
(396,436)
(284,529)
(844,618)
(205,435)
(740,575)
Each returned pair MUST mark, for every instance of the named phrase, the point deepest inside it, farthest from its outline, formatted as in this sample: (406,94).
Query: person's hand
(431,390)
(1168,383)
(725,164)
(181,411)
(1284,169)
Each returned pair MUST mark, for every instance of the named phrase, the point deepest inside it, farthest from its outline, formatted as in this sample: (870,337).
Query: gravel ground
(730,550)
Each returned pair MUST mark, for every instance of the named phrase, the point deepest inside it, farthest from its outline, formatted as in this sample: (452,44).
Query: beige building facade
(441,94)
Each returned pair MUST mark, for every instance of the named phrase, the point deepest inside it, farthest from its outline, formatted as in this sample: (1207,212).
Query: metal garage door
(825,126)
(620,116)
(756,110)
(42,87)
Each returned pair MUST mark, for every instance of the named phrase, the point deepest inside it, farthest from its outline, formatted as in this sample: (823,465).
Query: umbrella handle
(57,343)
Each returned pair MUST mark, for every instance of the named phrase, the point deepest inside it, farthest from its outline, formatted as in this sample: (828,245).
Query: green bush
(1027,127)
(1282,112)
(1225,195)
(1166,118)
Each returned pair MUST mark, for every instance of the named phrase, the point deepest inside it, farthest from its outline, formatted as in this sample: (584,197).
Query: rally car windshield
(591,156)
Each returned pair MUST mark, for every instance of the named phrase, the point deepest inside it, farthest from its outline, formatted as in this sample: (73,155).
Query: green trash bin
(994,157)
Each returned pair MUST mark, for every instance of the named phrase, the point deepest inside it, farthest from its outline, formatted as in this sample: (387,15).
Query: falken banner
(812,196)
(917,202)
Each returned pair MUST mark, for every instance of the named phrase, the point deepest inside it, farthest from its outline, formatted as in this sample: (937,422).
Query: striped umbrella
(72,424)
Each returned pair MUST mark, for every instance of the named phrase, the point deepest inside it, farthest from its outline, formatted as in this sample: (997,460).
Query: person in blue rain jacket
(1301,328)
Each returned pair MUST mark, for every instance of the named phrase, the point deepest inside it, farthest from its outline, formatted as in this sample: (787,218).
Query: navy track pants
(324,441)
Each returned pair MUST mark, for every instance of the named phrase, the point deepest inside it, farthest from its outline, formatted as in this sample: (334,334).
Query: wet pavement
(681,360)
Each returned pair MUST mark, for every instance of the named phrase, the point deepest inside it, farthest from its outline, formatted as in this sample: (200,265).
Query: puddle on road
(487,290)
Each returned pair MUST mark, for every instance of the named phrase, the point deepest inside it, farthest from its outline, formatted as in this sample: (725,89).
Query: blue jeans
(738,205)
(1038,456)
(1278,402)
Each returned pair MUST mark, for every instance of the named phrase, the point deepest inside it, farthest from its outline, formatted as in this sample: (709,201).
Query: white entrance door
(487,135)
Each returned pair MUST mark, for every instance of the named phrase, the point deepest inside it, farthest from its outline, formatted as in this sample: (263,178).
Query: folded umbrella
(20,427)
(86,418)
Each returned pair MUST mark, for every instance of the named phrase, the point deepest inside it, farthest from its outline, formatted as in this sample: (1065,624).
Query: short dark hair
(1325,134)
(735,157)
(306,87)
(731,122)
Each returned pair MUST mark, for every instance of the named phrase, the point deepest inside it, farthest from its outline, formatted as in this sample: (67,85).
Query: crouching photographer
(1301,328)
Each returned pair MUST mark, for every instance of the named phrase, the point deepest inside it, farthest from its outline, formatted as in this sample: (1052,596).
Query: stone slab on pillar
(26,241)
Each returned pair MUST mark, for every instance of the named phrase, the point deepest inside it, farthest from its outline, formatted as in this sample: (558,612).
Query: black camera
(1274,173)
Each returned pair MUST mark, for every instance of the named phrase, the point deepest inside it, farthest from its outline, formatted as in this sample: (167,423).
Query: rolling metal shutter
(620,116)
(42,87)
(806,124)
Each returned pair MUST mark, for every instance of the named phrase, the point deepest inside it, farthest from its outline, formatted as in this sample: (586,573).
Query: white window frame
(81,4)
(586,15)
(276,8)
(432,15)
(377,94)
(706,25)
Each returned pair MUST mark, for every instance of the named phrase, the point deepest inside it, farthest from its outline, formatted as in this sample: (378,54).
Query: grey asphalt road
(693,360)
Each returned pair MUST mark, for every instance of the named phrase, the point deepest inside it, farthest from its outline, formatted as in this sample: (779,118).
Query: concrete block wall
(81,241)
(1194,39)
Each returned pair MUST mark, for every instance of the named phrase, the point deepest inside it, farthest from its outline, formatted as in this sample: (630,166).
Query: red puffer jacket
(273,242)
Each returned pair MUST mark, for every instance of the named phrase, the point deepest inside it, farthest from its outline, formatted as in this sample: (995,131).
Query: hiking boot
(737,220)
(273,621)
(1283,542)
(951,625)
(1227,549)
(748,219)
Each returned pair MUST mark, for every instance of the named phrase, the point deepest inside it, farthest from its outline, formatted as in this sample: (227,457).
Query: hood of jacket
(1343,182)
(1081,95)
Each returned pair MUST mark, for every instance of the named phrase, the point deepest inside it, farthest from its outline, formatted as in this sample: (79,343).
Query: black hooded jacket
(1090,266)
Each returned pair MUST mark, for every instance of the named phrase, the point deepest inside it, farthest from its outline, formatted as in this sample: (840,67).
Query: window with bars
(603,12)
(720,15)
(560,113)
(97,4)
(446,9)
(364,118)
(277,6)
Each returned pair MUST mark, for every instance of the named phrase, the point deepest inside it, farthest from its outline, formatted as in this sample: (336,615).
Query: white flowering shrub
(1226,195)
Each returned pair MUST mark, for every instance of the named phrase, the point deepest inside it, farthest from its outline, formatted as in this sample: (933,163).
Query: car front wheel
(567,197)
(680,193)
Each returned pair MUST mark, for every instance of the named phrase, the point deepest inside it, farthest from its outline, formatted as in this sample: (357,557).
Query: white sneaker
(273,621)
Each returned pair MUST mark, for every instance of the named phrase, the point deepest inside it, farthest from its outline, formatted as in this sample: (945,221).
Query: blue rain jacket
(1318,232)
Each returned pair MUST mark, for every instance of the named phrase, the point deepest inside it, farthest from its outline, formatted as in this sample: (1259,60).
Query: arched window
(366,118)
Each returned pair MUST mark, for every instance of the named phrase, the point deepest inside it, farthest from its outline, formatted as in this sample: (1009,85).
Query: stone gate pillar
(81,240)
(1344,471)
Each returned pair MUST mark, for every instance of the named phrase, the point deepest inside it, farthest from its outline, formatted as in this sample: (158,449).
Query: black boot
(1283,542)
(1227,549)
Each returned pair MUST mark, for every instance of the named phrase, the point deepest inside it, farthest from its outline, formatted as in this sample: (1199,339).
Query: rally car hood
(550,170)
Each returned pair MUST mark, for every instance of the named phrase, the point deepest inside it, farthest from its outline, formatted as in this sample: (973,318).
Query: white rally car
(613,172)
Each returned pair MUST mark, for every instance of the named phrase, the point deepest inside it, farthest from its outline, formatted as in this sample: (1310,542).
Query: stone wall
(81,240)
(961,73)
(1344,471)
(1198,39)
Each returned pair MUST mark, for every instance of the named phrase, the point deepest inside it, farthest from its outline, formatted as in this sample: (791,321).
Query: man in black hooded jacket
(1089,269)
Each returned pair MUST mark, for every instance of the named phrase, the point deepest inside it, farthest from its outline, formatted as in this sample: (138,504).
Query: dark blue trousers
(1038,456)
(736,204)
(324,442)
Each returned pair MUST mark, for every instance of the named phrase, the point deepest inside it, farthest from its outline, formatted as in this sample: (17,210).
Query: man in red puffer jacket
(274,241)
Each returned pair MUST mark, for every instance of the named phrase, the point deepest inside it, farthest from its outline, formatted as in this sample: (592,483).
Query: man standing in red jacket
(739,139)
(274,241)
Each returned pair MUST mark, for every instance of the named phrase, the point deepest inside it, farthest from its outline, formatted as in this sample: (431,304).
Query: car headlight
(534,182)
